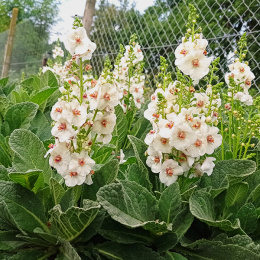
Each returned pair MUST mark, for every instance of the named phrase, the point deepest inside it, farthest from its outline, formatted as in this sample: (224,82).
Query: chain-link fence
(28,50)
(160,28)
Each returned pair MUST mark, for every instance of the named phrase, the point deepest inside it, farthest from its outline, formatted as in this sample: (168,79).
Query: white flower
(76,114)
(244,98)
(186,161)
(57,111)
(78,43)
(150,137)
(154,159)
(122,156)
(138,100)
(81,163)
(214,139)
(182,137)
(108,96)
(195,64)
(198,148)
(73,178)
(60,158)
(93,97)
(104,124)
(162,144)
(208,165)
(104,138)
(58,52)
(63,130)
(170,171)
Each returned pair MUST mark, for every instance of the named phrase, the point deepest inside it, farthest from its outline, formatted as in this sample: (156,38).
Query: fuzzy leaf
(236,193)
(128,203)
(48,79)
(29,153)
(42,95)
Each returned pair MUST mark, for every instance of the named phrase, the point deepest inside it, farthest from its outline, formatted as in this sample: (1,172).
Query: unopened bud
(233,135)
(189,30)
(88,67)
(226,129)
(208,119)
(252,145)
(243,144)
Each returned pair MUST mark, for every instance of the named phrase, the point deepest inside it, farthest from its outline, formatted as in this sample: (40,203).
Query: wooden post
(88,15)
(9,44)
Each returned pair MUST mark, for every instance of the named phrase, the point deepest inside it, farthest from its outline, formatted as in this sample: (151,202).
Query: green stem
(222,133)
(81,81)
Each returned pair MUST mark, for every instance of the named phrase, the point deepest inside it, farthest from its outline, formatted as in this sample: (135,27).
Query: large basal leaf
(68,252)
(116,251)
(48,79)
(202,207)
(5,157)
(248,218)
(32,179)
(140,148)
(102,154)
(170,203)
(182,222)
(31,85)
(3,174)
(71,223)
(141,128)
(114,231)
(104,176)
(166,242)
(21,204)
(174,256)
(42,95)
(19,116)
(128,203)
(221,249)
(236,193)
(29,153)
(41,127)
(121,127)
(57,191)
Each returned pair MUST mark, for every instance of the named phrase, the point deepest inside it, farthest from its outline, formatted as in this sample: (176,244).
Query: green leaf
(28,255)
(3,174)
(68,252)
(174,256)
(114,231)
(182,222)
(202,207)
(32,179)
(127,252)
(57,191)
(3,82)
(170,203)
(43,95)
(236,193)
(41,127)
(70,197)
(48,79)
(20,116)
(71,223)
(141,128)
(102,154)
(166,242)
(105,175)
(5,157)
(31,85)
(248,218)
(121,127)
(140,148)
(22,204)
(29,153)
(128,203)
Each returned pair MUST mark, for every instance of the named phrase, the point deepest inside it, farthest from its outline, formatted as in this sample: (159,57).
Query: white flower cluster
(58,52)
(242,76)
(129,77)
(82,116)
(180,136)
(191,58)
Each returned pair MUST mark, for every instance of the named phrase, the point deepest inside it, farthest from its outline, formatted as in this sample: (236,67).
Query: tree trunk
(88,15)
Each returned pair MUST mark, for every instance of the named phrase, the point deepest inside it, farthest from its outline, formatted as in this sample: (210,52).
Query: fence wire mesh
(160,28)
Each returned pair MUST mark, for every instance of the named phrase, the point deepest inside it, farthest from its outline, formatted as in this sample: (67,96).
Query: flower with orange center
(156,115)
(157,159)
(198,143)
(227,106)
(94,95)
(136,90)
(104,123)
(210,139)
(78,40)
(92,172)
(81,162)
(164,141)
(197,125)
(169,171)
(59,109)
(184,52)
(93,83)
(188,118)
(169,125)
(62,127)
(72,174)
(51,146)
(183,157)
(57,159)
(200,103)
(76,112)
(205,52)
(181,135)
(248,82)
(192,89)
(106,96)
(85,95)
(195,63)
(242,70)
